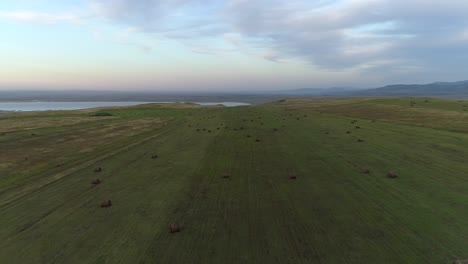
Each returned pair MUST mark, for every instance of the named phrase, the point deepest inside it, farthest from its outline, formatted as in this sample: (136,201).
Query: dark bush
(106,204)
(96,182)
(174,228)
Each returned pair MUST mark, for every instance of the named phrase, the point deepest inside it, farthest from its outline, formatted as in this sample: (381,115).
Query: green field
(332,212)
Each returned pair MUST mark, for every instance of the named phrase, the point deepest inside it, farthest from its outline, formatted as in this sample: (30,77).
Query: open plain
(292,181)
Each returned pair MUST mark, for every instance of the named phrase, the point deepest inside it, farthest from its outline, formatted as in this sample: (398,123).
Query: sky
(230,45)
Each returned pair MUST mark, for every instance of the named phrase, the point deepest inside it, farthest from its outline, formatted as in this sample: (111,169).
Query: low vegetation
(102,114)
(293,181)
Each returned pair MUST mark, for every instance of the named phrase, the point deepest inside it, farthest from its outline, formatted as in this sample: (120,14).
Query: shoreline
(40,106)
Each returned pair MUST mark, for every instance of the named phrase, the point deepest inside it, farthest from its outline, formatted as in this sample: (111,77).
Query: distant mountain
(134,96)
(316,91)
(437,89)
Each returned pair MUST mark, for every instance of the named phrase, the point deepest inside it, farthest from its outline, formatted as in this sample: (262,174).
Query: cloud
(121,38)
(326,33)
(159,15)
(38,17)
(329,34)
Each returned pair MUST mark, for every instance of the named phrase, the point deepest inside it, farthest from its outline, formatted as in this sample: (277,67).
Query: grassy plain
(332,213)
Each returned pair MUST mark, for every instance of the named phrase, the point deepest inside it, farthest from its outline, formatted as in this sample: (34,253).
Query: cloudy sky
(230,44)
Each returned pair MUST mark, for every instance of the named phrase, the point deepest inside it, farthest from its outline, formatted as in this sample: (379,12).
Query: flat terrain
(223,175)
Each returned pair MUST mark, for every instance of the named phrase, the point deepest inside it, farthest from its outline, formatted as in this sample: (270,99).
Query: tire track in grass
(126,226)
(25,192)
(71,200)
(211,200)
(298,229)
(380,204)
(81,194)
(398,194)
(36,165)
(55,184)
(178,214)
(265,201)
(323,166)
(253,204)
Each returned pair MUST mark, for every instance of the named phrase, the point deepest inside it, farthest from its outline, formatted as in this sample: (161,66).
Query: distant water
(46,106)
(228,104)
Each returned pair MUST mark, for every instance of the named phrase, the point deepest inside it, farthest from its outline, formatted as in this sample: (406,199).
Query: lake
(46,106)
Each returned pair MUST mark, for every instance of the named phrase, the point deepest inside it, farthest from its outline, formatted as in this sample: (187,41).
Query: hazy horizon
(230,45)
(246,89)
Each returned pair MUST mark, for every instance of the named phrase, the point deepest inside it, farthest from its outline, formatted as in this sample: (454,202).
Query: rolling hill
(438,89)
(293,181)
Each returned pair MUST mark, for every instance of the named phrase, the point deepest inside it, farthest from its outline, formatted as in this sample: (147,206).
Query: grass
(436,113)
(102,114)
(332,212)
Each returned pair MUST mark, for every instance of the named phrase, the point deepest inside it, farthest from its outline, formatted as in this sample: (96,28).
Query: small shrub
(106,204)
(174,228)
(96,182)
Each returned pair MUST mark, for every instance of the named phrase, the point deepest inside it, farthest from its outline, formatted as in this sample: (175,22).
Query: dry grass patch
(20,124)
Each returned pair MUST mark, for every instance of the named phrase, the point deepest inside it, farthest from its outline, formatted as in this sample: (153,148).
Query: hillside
(438,89)
(293,181)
